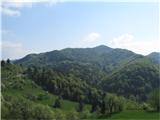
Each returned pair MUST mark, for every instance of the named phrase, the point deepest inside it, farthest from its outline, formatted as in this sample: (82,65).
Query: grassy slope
(48,98)
(30,89)
(17,85)
(131,115)
(137,115)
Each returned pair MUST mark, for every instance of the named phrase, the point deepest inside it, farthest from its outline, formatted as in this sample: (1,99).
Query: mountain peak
(154,53)
(103,46)
(102,49)
(155,57)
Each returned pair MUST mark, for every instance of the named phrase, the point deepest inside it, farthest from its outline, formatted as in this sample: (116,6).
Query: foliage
(117,71)
(59,115)
(114,103)
(154,99)
(22,109)
(109,80)
(58,103)
(146,107)
(73,115)
(137,78)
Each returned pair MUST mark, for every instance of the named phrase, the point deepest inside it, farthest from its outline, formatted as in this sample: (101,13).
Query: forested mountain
(101,56)
(136,79)
(155,57)
(118,71)
(103,77)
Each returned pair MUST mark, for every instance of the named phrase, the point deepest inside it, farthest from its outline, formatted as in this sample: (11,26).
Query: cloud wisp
(92,37)
(127,41)
(13,7)
(12,50)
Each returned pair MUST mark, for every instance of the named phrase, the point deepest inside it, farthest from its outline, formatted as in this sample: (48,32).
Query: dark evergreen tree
(2,63)
(58,103)
(8,61)
(80,106)
(80,103)
(103,107)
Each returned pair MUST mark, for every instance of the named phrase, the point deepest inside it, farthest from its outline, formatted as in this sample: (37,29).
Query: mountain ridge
(100,55)
(99,47)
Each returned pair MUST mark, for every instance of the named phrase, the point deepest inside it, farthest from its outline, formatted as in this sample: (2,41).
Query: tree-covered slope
(100,56)
(155,57)
(103,77)
(118,71)
(23,99)
(137,78)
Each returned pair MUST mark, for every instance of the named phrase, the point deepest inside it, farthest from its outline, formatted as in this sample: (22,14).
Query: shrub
(58,103)
(132,105)
(85,114)
(41,112)
(146,107)
(59,115)
(73,115)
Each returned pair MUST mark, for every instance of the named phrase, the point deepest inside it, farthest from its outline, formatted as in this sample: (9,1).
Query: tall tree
(154,99)
(80,103)
(58,103)
(2,63)
(8,61)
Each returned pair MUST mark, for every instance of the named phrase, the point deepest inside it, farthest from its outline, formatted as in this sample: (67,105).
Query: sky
(35,27)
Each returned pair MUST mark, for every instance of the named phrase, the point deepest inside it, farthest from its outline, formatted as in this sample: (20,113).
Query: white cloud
(4,32)
(13,7)
(10,12)
(12,50)
(92,37)
(127,41)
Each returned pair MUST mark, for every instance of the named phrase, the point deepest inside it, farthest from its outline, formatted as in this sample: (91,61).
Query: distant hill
(102,56)
(117,70)
(137,78)
(155,57)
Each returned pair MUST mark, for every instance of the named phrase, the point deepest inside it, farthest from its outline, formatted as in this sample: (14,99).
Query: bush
(132,105)
(85,114)
(59,115)
(31,96)
(114,103)
(4,111)
(154,99)
(41,112)
(58,103)
(22,109)
(146,107)
(42,96)
(73,115)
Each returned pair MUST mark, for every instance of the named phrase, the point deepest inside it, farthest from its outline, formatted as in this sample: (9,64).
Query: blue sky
(40,27)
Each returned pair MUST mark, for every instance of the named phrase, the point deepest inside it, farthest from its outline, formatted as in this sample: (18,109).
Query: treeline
(22,109)
(136,80)
(74,89)
(66,86)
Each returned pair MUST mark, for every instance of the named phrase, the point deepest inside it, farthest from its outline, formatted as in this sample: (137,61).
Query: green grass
(68,106)
(131,115)
(137,115)
(29,89)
